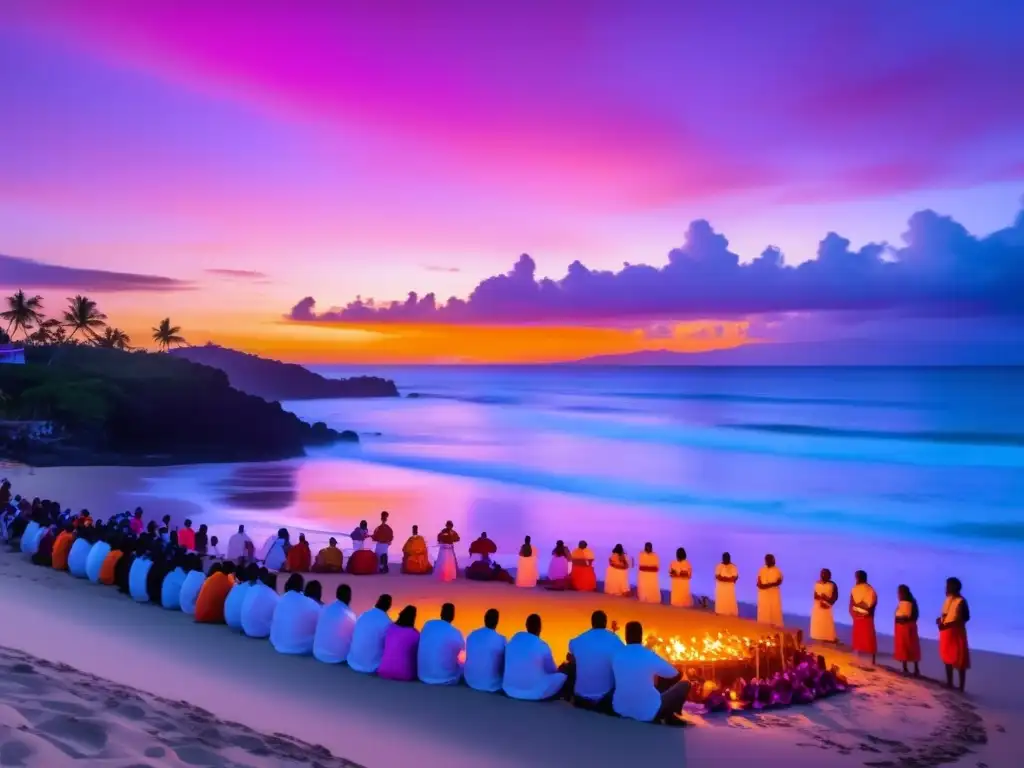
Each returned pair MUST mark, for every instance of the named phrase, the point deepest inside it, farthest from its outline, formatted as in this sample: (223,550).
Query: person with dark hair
(247,575)
(823,622)
(240,547)
(109,568)
(275,550)
(441,646)
(530,671)
(906,640)
(589,665)
(648,586)
(582,578)
(726,576)
(769,593)
(382,537)
(170,590)
(329,559)
(558,568)
(526,568)
(195,577)
(214,593)
(97,554)
(202,539)
(158,571)
(680,572)
(187,537)
(79,554)
(122,572)
(415,556)
(863,601)
(952,624)
(616,576)
(367,647)
(446,566)
(260,605)
(636,669)
(300,558)
(62,548)
(401,645)
(485,655)
(334,629)
(294,623)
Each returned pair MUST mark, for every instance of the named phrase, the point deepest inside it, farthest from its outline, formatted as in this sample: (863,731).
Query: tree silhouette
(114,338)
(22,312)
(166,335)
(82,315)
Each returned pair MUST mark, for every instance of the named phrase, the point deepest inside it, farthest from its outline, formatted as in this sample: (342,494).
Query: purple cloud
(437,268)
(940,270)
(237,274)
(17,272)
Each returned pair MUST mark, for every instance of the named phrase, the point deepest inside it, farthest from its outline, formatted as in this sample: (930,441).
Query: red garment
(448,537)
(483,546)
(299,559)
(953,649)
(383,534)
(187,539)
(907,645)
(362,562)
(864,638)
(582,577)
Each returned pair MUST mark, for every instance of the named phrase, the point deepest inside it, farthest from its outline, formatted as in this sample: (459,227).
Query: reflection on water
(271,487)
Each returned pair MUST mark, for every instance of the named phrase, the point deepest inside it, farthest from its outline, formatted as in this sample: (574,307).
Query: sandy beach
(189,694)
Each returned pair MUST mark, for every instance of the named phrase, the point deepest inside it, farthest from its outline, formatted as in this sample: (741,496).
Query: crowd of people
(150,561)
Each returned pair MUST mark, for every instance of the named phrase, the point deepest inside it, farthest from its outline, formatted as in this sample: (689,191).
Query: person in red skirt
(952,625)
(863,601)
(907,646)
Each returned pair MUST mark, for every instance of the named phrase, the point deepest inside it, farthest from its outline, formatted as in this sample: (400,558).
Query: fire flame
(711,648)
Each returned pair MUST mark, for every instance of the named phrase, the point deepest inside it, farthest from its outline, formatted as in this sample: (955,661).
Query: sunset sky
(271,175)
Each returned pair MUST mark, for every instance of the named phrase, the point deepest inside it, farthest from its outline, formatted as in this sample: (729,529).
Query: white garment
(725,592)
(558,569)
(258,610)
(865,595)
(294,624)
(769,601)
(190,591)
(334,631)
(635,669)
(237,546)
(681,596)
(367,648)
(648,588)
(823,621)
(276,556)
(446,567)
(437,659)
(78,558)
(530,671)
(28,536)
(616,581)
(94,563)
(359,537)
(951,608)
(526,571)
(485,660)
(170,590)
(137,579)
(213,550)
(381,548)
(593,652)
(233,604)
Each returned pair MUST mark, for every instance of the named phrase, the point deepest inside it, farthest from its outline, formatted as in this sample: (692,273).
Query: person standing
(726,576)
(863,601)
(769,593)
(582,577)
(648,590)
(383,536)
(823,621)
(446,567)
(952,624)
(906,641)
(526,568)
(616,577)
(681,573)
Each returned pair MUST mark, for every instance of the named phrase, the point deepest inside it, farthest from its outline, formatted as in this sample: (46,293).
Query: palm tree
(22,312)
(114,338)
(50,331)
(82,315)
(166,335)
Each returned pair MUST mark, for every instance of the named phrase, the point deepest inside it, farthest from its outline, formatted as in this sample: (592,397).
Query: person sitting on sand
(482,547)
(441,645)
(485,656)
(582,577)
(446,567)
(299,557)
(329,559)
(485,569)
(590,664)
(364,654)
(863,601)
(192,585)
(769,593)
(680,573)
(952,624)
(246,576)
(635,669)
(276,550)
(401,646)
(78,557)
(139,573)
(526,569)
(259,605)
(122,572)
(240,547)
(162,565)
(213,595)
(616,577)
(558,568)
(45,537)
(382,537)
(62,548)
(906,641)
(109,568)
(97,554)
(334,629)
(415,557)
(294,624)
(823,622)
(726,576)
(359,535)
(170,590)
(530,671)
(187,537)
(648,589)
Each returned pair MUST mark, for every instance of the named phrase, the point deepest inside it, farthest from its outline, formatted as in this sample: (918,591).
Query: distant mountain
(274,380)
(847,352)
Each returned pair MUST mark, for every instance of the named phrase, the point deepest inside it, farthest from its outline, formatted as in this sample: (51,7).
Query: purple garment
(399,659)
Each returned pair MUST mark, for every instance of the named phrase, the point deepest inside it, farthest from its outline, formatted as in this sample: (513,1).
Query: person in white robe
(726,576)
(30,537)
(247,578)
(769,593)
(259,605)
(438,659)
(194,578)
(334,629)
(170,589)
(446,565)
(636,670)
(823,621)
(137,578)
(294,624)
(560,565)
(367,647)
(648,587)
(530,671)
(680,572)
(526,568)
(485,656)
(616,577)
(276,551)
(240,546)
(591,655)
(78,557)
(94,564)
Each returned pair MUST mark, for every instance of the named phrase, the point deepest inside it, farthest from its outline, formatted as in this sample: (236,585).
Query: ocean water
(911,474)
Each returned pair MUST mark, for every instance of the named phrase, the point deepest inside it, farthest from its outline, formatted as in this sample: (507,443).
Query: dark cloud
(237,274)
(31,275)
(940,270)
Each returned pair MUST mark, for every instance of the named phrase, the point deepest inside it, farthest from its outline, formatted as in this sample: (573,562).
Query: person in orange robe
(109,567)
(210,603)
(329,559)
(952,624)
(300,558)
(582,577)
(383,536)
(61,548)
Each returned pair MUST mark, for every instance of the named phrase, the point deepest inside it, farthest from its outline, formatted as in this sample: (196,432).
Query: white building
(12,354)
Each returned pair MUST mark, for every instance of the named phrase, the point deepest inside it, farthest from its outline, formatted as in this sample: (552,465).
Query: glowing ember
(711,648)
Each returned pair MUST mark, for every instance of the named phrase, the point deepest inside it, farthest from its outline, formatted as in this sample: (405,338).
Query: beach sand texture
(148,662)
